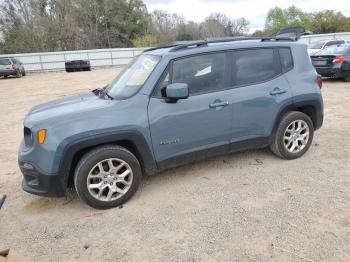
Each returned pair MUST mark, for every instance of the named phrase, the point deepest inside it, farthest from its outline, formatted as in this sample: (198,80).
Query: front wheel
(107,177)
(293,136)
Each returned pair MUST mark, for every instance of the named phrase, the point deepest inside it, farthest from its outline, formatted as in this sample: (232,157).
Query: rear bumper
(39,183)
(330,72)
(7,72)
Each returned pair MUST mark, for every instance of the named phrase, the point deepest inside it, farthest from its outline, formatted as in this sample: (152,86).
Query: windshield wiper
(102,93)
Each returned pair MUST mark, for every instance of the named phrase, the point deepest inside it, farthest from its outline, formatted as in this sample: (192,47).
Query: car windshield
(335,50)
(316,45)
(4,61)
(132,78)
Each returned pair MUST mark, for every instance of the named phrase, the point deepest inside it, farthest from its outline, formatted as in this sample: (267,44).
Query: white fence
(114,56)
(313,38)
(56,60)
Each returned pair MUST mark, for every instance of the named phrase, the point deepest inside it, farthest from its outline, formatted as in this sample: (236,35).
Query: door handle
(218,103)
(277,91)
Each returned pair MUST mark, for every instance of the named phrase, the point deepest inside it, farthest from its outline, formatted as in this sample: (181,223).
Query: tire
(347,78)
(18,74)
(284,147)
(23,73)
(89,172)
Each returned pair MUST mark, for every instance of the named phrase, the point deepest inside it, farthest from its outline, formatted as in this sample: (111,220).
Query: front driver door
(198,126)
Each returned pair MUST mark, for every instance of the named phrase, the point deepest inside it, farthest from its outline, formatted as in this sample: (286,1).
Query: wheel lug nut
(105,182)
(111,184)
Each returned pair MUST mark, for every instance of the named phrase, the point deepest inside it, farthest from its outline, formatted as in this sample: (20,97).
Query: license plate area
(319,63)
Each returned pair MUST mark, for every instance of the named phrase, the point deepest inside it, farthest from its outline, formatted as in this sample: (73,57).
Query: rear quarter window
(5,61)
(253,66)
(286,59)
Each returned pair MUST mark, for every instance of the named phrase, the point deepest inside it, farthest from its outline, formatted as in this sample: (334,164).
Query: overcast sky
(253,10)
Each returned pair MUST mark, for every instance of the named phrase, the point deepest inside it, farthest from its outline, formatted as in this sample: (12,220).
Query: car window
(316,45)
(5,61)
(286,59)
(335,50)
(254,66)
(331,43)
(133,77)
(202,73)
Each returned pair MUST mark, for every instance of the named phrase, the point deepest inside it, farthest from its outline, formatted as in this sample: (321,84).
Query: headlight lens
(28,137)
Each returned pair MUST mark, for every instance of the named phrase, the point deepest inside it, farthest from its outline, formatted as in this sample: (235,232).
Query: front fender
(69,147)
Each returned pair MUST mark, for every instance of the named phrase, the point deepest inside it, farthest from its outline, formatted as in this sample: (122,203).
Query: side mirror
(176,91)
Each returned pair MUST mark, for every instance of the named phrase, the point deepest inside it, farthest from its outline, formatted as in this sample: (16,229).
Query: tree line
(56,25)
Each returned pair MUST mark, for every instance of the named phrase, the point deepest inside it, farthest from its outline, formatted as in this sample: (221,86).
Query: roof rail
(160,47)
(204,43)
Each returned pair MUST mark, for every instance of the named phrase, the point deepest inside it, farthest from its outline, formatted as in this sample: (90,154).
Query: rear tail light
(339,60)
(319,81)
(13,66)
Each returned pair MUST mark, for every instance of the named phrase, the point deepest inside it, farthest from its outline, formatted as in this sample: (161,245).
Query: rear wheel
(293,136)
(23,73)
(107,177)
(347,78)
(18,74)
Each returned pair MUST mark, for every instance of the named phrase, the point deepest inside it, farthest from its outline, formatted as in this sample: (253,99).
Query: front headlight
(28,137)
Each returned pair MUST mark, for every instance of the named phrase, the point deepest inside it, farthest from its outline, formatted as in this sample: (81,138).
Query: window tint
(254,66)
(331,43)
(164,81)
(335,50)
(286,59)
(4,61)
(203,73)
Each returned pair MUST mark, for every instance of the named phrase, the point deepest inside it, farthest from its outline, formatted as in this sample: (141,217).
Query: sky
(253,10)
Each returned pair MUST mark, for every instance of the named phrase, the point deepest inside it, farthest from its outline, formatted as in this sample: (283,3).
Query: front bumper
(39,183)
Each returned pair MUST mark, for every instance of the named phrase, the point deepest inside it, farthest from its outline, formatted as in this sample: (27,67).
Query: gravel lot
(249,206)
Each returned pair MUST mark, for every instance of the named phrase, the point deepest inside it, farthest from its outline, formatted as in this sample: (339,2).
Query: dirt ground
(249,206)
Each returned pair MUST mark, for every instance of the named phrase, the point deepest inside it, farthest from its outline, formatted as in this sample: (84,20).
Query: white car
(314,47)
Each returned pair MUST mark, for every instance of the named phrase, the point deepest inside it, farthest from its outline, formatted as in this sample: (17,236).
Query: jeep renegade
(170,106)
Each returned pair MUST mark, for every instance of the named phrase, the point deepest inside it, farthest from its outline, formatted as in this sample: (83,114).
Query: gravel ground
(249,206)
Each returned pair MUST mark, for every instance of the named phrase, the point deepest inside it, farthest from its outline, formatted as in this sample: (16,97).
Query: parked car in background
(314,47)
(170,106)
(333,62)
(77,65)
(10,66)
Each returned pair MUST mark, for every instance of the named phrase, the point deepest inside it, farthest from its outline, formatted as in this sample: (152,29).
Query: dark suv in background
(10,66)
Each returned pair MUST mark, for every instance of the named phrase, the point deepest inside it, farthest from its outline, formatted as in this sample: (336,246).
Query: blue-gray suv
(170,106)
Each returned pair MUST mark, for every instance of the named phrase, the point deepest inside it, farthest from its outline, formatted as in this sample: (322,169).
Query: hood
(68,106)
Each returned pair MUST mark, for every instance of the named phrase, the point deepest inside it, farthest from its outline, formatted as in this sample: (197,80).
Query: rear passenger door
(259,90)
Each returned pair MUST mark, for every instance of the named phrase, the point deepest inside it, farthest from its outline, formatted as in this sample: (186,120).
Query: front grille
(28,137)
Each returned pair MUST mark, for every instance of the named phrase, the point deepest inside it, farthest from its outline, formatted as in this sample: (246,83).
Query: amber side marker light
(41,136)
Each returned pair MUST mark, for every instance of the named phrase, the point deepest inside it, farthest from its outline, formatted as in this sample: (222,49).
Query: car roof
(174,50)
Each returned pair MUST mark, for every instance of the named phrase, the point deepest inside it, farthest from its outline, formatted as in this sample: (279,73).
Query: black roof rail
(160,47)
(204,43)
(200,43)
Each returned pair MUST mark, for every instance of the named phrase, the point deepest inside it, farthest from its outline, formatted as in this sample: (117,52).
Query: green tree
(278,18)
(329,21)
